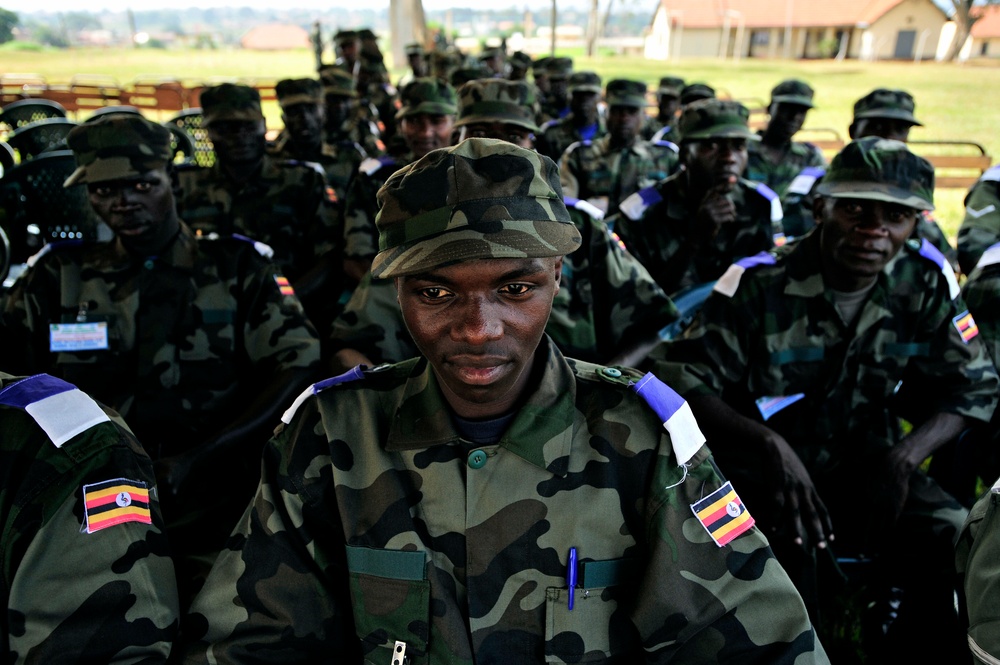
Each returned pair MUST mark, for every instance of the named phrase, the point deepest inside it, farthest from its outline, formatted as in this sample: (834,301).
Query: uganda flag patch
(284,285)
(723,514)
(966,326)
(115,502)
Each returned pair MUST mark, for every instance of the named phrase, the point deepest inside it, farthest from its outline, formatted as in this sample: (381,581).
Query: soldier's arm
(981,226)
(370,330)
(976,557)
(568,168)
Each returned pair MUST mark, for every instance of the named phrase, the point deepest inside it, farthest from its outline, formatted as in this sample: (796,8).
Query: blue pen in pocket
(571,575)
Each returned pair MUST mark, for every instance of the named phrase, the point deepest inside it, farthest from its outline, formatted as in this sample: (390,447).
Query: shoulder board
(991,174)
(776,213)
(730,280)
(636,205)
(583,206)
(669,145)
(674,413)
(262,249)
(804,181)
(990,257)
(549,124)
(370,165)
(59,408)
(316,388)
(309,165)
(934,255)
(660,133)
(52,247)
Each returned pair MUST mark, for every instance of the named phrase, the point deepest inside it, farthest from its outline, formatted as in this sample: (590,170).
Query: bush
(17,45)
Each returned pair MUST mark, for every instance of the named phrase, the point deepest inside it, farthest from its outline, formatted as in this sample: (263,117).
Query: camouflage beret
(117,146)
(670,85)
(298,91)
(559,68)
(427,95)
(622,92)
(466,74)
(497,100)
(481,199)
(584,82)
(519,60)
(337,81)
(230,101)
(885,103)
(696,91)
(715,119)
(793,91)
(880,169)
(345,36)
(414,48)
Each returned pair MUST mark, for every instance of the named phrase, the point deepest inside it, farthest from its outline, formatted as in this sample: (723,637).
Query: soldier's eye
(434,293)
(143,186)
(516,289)
(101,191)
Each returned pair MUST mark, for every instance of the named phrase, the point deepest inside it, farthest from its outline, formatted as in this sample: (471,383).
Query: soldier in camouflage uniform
(520,63)
(426,119)
(303,111)
(375,92)
(976,557)
(416,58)
(801,361)
(693,92)
(981,225)
(494,59)
(85,571)
(348,122)
(607,170)
(689,228)
(195,340)
(346,45)
(555,104)
(668,101)
(583,123)
(492,500)
(778,161)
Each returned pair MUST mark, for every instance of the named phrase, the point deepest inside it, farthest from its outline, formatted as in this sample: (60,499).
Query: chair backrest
(7,159)
(190,121)
(34,139)
(113,110)
(18,114)
(4,257)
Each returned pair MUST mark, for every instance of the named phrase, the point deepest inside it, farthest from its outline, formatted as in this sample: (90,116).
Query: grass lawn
(953,101)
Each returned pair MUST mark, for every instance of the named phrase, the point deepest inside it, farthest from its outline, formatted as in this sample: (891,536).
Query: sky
(27,6)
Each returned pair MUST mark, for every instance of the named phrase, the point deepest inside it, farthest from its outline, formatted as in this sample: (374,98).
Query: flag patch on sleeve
(723,515)
(114,502)
(284,285)
(966,326)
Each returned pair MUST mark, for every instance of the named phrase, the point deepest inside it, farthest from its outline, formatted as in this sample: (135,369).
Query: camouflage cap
(584,82)
(345,36)
(622,92)
(670,85)
(481,199)
(337,81)
(491,53)
(372,62)
(427,95)
(443,63)
(466,74)
(230,101)
(885,103)
(497,100)
(695,92)
(559,68)
(793,91)
(117,146)
(880,169)
(540,65)
(414,48)
(367,34)
(519,60)
(715,119)
(298,91)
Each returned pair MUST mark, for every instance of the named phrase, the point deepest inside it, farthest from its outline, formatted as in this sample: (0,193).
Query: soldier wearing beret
(668,102)
(77,498)
(583,123)
(689,228)
(607,170)
(195,341)
(802,360)
(492,500)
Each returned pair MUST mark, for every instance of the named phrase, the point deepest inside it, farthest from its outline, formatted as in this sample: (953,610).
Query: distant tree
(8,21)
(967,12)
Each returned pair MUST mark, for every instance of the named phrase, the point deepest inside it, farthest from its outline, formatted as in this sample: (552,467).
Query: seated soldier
(609,309)
(492,501)
(416,59)
(689,228)
(518,65)
(196,341)
(607,170)
(800,363)
(976,557)
(981,225)
(85,574)
(347,47)
(582,123)
(555,103)
(668,105)
(347,122)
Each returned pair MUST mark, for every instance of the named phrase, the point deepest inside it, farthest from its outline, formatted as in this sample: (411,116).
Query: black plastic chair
(191,122)
(18,114)
(7,159)
(4,257)
(182,145)
(38,137)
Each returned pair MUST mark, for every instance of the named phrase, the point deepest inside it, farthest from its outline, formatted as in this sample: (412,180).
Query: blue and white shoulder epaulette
(934,255)
(674,413)
(584,206)
(730,280)
(262,248)
(60,408)
(351,375)
(636,205)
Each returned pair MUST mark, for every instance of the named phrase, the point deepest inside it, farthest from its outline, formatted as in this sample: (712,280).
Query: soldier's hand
(716,209)
(802,512)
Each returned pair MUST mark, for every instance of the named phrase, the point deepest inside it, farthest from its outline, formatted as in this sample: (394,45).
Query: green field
(953,101)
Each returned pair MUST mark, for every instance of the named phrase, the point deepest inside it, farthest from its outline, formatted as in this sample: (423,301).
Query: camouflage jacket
(981,293)
(173,342)
(607,302)
(361,128)
(977,559)
(778,177)
(557,135)
(360,206)
(81,581)
(657,225)
(771,343)
(288,206)
(376,525)
(591,171)
(981,226)
(339,161)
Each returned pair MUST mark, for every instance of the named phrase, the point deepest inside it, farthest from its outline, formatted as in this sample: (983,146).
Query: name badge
(91,336)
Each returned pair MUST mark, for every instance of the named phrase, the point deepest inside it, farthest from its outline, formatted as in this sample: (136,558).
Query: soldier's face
(478,323)
(348,50)
(713,161)
(424,132)
(584,104)
(859,237)
(669,105)
(140,209)
(238,141)
(304,123)
(786,119)
(559,90)
(503,131)
(542,82)
(886,128)
(624,123)
(338,109)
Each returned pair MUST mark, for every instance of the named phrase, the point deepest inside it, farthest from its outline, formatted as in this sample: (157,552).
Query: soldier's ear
(819,209)
(558,273)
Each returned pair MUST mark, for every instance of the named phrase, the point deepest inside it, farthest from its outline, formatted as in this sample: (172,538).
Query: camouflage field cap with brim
(230,101)
(490,53)
(670,85)
(880,169)
(623,92)
(793,91)
(540,66)
(414,48)
(885,103)
(443,63)
(559,68)
(461,76)
(519,60)
(497,100)
(117,146)
(427,95)
(345,36)
(481,199)
(584,82)
(715,119)
(694,92)
(298,91)
(337,81)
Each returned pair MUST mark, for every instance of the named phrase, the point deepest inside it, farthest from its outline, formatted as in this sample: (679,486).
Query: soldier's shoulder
(934,263)
(301,165)
(735,275)
(59,249)
(991,174)
(369,166)
(379,378)
(235,243)
(56,407)
(635,206)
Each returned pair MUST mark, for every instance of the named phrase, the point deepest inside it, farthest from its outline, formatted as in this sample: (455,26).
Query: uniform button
(477,459)
(612,372)
(148,264)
